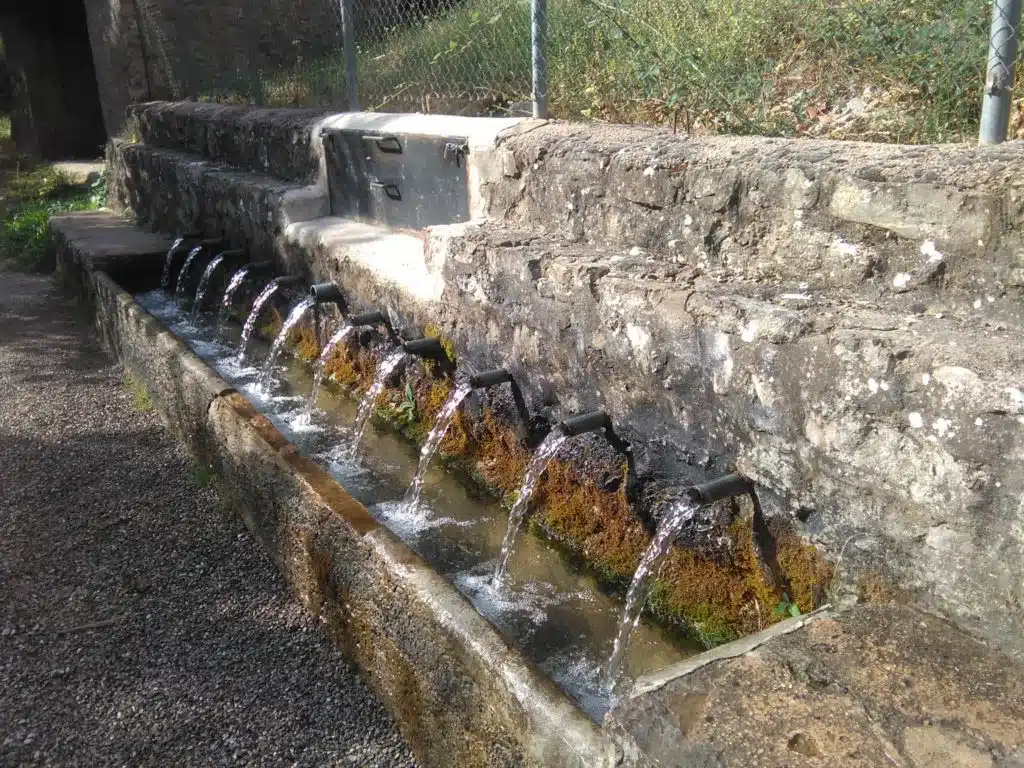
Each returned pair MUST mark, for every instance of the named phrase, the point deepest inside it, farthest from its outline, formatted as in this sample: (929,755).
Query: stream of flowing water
(204,283)
(165,278)
(179,290)
(545,452)
(554,614)
(433,441)
(384,370)
(321,364)
(250,322)
(668,531)
(294,318)
(229,294)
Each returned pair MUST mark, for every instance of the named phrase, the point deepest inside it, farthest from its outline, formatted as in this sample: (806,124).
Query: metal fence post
(1002,61)
(348,35)
(539,34)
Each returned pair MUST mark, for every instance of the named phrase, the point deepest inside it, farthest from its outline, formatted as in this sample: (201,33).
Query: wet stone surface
(879,685)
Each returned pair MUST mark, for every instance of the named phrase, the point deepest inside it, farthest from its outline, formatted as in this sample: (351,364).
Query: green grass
(30,193)
(136,387)
(884,70)
(200,476)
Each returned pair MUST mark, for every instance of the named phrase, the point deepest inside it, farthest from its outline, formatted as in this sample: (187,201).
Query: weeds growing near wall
(136,387)
(879,70)
(29,194)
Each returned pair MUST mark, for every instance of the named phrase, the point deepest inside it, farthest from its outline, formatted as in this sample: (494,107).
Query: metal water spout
(322,294)
(329,293)
(497,377)
(489,379)
(288,281)
(600,421)
(721,488)
(430,349)
(375,318)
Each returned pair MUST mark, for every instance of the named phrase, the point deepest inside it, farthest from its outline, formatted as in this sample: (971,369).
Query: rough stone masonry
(841,321)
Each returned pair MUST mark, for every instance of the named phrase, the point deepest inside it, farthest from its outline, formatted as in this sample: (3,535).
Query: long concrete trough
(461,694)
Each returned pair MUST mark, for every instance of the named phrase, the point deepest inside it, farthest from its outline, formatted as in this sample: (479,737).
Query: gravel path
(137,625)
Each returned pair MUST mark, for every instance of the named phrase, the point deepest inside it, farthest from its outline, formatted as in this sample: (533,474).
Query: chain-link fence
(880,70)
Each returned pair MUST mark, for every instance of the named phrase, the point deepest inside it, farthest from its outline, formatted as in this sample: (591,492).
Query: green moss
(806,572)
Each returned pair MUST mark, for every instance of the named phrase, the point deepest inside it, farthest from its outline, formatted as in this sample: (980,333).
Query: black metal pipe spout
(288,281)
(232,254)
(490,379)
(600,421)
(594,421)
(430,349)
(374,318)
(186,241)
(329,293)
(497,377)
(259,266)
(719,489)
(212,245)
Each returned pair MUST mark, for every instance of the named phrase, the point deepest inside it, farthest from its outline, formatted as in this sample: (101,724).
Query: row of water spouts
(673,523)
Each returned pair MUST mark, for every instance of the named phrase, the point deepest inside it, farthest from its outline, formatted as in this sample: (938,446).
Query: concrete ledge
(461,695)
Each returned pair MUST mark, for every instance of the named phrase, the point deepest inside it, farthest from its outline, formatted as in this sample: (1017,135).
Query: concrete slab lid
(478,131)
(108,233)
(394,257)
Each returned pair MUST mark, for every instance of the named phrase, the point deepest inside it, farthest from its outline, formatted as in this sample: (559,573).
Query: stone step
(183,192)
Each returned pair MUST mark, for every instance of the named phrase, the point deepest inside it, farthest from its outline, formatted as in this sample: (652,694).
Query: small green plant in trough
(407,408)
(787,607)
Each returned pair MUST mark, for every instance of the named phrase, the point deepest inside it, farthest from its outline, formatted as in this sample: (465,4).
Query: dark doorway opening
(55,103)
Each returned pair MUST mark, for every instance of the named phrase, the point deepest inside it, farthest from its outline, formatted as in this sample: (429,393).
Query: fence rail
(880,70)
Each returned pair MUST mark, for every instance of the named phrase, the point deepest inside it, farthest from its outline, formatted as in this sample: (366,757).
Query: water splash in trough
(294,318)
(539,462)
(433,441)
(321,364)
(204,283)
(643,579)
(384,370)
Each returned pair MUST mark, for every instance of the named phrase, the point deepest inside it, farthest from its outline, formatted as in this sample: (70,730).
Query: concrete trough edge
(419,643)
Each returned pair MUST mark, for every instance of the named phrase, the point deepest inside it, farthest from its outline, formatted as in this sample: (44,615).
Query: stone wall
(174,49)
(842,322)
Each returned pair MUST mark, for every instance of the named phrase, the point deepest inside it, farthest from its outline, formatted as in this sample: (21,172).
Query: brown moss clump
(272,325)
(497,454)
(303,343)
(433,331)
(874,587)
(598,524)
(806,573)
(719,596)
(351,367)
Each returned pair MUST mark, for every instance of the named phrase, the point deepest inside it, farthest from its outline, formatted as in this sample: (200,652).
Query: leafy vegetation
(883,70)
(29,194)
(136,387)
